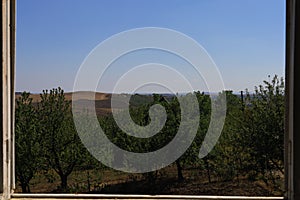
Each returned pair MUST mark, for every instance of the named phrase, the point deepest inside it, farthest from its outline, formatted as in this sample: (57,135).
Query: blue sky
(246,39)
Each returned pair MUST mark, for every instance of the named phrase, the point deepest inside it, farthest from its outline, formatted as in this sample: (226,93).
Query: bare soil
(114,182)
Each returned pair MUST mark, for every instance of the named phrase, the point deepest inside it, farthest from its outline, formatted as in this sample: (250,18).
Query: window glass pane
(189,96)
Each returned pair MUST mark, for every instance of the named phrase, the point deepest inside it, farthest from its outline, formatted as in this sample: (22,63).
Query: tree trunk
(88,181)
(179,171)
(24,187)
(64,182)
(28,188)
(207,169)
(24,184)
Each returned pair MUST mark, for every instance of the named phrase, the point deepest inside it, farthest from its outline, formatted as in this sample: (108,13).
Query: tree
(229,151)
(264,116)
(61,145)
(27,141)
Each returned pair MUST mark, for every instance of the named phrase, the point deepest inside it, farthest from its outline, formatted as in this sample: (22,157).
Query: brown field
(102,100)
(68,96)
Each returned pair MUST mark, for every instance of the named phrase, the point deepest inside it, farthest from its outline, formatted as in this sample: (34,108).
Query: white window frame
(292,140)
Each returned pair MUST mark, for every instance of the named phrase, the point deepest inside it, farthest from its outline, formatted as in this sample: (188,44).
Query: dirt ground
(114,182)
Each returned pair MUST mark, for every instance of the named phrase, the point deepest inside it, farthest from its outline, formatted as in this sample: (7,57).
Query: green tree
(264,117)
(62,147)
(184,105)
(27,141)
(229,151)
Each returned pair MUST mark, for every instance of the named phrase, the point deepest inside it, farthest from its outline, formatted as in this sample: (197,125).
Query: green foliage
(62,148)
(229,151)
(27,141)
(264,127)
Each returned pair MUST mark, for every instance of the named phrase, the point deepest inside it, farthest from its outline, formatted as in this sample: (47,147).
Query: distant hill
(68,95)
(102,100)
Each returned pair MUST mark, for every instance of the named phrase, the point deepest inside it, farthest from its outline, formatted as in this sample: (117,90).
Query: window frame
(292,140)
